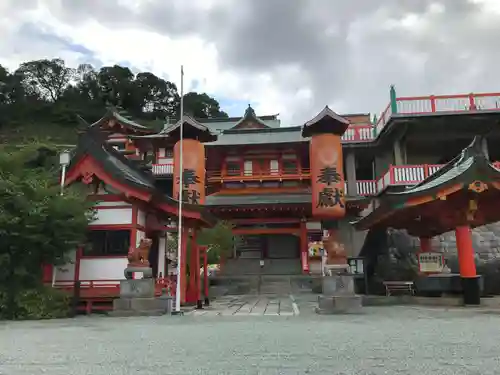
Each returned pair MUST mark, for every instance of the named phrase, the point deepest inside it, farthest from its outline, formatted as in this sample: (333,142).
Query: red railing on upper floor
(269,175)
(438,103)
(164,169)
(398,175)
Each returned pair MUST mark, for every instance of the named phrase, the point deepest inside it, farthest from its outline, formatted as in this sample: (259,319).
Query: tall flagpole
(179,226)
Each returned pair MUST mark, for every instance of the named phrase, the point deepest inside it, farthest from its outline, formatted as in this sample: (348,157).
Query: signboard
(430,262)
(356,265)
(327,176)
(315,248)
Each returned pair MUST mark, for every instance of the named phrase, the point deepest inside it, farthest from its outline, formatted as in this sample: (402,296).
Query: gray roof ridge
(281,129)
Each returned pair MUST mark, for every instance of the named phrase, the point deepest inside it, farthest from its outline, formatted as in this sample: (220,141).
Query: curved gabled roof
(124,174)
(127,123)
(191,129)
(470,166)
(327,121)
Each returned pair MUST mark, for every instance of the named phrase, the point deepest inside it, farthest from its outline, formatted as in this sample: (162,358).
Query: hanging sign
(430,262)
(327,176)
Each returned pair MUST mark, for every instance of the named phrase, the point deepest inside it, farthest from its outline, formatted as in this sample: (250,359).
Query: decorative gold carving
(478,186)
(139,257)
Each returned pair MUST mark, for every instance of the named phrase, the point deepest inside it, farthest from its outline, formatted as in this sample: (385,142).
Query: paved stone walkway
(250,306)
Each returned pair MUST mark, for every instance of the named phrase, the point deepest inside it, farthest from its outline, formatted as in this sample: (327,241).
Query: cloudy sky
(290,57)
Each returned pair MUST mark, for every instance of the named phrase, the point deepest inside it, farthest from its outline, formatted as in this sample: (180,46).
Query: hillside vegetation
(42,98)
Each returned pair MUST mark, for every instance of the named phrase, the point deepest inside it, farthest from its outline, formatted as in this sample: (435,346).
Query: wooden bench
(399,286)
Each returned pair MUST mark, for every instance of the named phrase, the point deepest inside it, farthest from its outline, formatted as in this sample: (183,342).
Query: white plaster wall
(103,268)
(141,218)
(140,235)
(113,216)
(313,225)
(165,160)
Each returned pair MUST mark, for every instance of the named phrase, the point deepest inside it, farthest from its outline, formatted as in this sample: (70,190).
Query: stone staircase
(275,285)
(249,247)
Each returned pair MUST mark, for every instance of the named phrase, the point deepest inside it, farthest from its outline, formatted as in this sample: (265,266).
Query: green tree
(202,106)
(156,96)
(48,79)
(43,97)
(219,239)
(37,225)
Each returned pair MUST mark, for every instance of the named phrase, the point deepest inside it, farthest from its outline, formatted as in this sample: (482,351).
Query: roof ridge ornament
(326,121)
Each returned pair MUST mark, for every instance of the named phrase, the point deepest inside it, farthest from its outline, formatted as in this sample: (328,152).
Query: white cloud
(293,61)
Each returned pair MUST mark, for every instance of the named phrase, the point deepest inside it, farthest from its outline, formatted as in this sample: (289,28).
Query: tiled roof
(259,136)
(113,113)
(470,165)
(92,142)
(236,200)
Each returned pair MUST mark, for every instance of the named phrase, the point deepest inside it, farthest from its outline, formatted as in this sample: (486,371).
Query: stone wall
(485,239)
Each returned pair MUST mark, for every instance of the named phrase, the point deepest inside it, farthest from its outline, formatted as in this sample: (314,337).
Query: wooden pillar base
(471,287)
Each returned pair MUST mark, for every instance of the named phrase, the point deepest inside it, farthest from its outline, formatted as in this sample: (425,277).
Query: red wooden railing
(408,175)
(272,174)
(439,103)
(163,169)
(111,287)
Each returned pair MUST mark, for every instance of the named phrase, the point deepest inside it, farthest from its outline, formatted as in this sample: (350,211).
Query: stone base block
(472,290)
(338,285)
(138,288)
(130,313)
(140,307)
(344,304)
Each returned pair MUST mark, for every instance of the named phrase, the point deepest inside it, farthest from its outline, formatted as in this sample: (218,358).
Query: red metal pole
(183,236)
(191,294)
(425,244)
(205,274)
(197,290)
(304,256)
(470,281)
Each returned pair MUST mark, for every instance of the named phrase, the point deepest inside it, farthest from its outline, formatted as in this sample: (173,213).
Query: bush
(41,303)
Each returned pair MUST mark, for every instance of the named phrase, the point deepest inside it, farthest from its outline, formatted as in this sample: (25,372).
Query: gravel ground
(382,340)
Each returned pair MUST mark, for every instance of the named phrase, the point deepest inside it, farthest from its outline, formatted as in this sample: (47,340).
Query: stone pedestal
(338,295)
(137,298)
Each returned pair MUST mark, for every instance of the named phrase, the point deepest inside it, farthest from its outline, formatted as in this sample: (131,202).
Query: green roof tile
(259,136)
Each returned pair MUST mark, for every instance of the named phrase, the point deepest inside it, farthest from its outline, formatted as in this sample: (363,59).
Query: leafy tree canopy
(47,91)
(219,239)
(37,224)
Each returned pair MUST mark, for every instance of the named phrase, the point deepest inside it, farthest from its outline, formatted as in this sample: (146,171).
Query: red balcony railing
(270,175)
(366,187)
(163,169)
(439,103)
(409,175)
(358,133)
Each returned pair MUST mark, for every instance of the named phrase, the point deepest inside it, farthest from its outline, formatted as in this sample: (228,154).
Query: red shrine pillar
(328,185)
(470,280)
(304,253)
(192,191)
(193,171)
(425,244)
(183,237)
(194,271)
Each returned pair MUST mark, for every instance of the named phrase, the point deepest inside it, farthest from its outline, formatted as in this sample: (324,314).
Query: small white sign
(430,262)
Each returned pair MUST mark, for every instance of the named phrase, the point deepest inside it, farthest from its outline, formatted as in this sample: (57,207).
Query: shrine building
(281,186)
